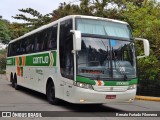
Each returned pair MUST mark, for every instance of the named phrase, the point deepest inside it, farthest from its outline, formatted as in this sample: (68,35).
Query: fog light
(83,85)
(82,100)
(134,86)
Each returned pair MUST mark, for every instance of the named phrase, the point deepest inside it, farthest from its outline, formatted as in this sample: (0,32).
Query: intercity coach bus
(79,59)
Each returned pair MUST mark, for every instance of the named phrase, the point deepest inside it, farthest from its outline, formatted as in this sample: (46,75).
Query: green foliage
(64,10)
(145,22)
(17,30)
(36,20)
(148,68)
(4,31)
(3,52)
(2,60)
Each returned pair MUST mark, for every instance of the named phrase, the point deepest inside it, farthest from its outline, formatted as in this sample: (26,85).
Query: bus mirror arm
(146,47)
(76,40)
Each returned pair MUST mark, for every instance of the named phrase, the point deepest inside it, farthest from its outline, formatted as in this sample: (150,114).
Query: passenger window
(40,42)
(52,42)
(23,46)
(30,44)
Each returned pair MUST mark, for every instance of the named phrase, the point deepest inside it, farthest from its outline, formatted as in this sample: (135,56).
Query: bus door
(66,56)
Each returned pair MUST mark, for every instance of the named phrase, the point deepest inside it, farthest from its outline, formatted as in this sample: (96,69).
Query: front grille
(110,88)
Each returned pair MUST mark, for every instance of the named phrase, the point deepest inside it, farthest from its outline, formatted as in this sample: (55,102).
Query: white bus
(79,59)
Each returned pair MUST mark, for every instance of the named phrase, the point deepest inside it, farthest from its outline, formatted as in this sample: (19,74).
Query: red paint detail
(99,83)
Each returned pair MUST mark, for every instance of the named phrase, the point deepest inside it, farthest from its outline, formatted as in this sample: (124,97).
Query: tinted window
(42,41)
(66,47)
(30,44)
(52,41)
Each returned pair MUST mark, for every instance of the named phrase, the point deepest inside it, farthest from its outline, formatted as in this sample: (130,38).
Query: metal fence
(149,87)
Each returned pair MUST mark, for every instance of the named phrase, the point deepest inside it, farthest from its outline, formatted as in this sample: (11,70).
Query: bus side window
(30,44)
(23,47)
(17,48)
(13,49)
(40,42)
(45,39)
(52,42)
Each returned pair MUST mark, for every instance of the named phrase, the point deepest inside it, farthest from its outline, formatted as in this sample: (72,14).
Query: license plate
(110,96)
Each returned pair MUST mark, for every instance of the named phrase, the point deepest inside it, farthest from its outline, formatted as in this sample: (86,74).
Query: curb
(148,98)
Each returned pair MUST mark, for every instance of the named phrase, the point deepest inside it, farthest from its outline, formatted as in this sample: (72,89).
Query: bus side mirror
(146,47)
(76,40)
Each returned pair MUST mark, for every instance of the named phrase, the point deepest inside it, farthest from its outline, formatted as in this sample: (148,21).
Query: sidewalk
(148,98)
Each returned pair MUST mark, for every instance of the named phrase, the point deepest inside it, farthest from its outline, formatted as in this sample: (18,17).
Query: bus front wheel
(51,94)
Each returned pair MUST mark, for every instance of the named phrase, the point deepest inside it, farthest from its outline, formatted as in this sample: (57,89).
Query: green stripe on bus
(107,83)
(20,61)
(120,83)
(54,56)
(134,81)
(44,59)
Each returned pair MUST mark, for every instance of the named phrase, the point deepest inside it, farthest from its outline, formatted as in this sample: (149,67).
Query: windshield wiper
(119,65)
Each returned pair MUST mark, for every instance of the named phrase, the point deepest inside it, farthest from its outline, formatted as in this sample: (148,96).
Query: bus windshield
(103,28)
(104,57)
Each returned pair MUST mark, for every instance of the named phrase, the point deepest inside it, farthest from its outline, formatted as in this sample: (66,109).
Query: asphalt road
(28,100)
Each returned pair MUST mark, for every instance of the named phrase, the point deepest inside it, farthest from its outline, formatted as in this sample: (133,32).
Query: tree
(17,30)
(37,19)
(64,10)
(145,22)
(4,31)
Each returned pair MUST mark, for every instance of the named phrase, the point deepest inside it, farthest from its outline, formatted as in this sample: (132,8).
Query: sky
(9,8)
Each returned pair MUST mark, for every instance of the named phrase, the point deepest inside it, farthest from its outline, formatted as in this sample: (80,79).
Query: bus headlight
(134,86)
(83,85)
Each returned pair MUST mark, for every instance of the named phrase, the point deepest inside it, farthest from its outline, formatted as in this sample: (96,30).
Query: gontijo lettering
(38,60)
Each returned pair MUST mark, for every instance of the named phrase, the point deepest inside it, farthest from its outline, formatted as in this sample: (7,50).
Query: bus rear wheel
(16,86)
(51,94)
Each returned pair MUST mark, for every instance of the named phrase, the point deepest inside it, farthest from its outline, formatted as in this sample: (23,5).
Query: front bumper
(85,96)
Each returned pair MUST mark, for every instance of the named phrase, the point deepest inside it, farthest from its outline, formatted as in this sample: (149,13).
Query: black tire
(16,86)
(51,94)
(12,81)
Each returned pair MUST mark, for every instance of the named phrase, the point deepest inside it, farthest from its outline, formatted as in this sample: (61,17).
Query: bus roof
(62,19)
